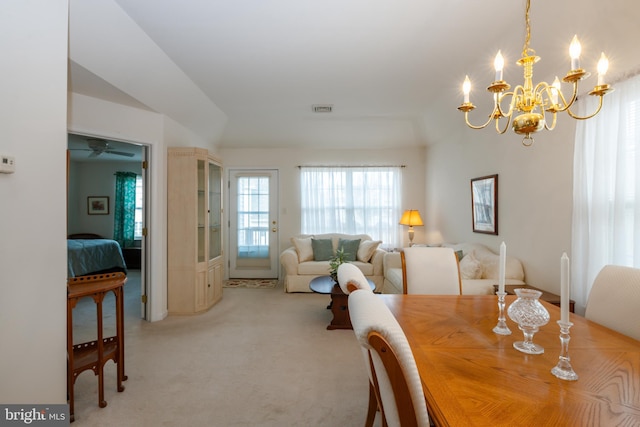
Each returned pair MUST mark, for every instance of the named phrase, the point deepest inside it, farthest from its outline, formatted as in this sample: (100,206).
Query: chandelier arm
(541,89)
(567,105)
(589,116)
(499,102)
(505,127)
(553,124)
(514,99)
(466,119)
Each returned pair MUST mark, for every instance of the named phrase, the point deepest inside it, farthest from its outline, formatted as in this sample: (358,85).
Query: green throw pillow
(322,249)
(460,254)
(350,248)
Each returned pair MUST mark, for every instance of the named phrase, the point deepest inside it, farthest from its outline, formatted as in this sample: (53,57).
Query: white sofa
(479,269)
(299,274)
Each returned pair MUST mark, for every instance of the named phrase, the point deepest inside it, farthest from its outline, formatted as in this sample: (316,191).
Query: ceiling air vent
(322,108)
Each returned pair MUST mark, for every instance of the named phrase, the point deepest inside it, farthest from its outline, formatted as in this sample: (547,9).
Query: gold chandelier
(533,102)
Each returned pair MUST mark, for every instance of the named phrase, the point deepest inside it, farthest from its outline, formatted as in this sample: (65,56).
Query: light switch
(7,164)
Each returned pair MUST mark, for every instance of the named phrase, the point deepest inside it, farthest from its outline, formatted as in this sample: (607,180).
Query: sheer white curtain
(606,187)
(352,200)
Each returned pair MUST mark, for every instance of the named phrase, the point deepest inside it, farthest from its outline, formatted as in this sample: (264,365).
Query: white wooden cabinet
(194,230)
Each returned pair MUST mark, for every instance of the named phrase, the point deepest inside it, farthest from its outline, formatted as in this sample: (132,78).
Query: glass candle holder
(563,369)
(501,327)
(530,315)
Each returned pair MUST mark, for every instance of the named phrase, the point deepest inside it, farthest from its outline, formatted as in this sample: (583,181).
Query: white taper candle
(564,288)
(503,263)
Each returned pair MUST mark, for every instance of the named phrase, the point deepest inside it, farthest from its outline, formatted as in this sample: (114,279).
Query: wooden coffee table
(546,296)
(339,304)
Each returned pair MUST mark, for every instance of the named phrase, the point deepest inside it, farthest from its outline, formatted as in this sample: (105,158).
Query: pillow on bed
(85,236)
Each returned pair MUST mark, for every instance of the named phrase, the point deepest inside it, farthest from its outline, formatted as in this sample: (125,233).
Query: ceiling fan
(98,146)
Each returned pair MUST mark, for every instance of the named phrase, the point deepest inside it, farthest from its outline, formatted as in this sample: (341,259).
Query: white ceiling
(391,68)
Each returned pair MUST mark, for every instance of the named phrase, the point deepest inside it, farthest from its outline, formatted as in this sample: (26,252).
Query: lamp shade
(411,217)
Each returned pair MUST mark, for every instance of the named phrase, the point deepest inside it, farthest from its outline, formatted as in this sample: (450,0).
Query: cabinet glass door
(215,210)
(201,209)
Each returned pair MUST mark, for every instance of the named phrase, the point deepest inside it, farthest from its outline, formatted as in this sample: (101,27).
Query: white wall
(534,194)
(33,40)
(286,161)
(94,179)
(103,37)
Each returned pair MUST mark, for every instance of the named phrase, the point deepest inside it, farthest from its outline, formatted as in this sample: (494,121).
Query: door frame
(145,247)
(274,210)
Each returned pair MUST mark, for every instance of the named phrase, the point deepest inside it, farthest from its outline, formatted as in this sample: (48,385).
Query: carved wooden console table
(94,354)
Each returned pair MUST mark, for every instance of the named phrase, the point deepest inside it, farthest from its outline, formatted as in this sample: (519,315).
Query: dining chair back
(351,278)
(614,300)
(430,271)
(390,361)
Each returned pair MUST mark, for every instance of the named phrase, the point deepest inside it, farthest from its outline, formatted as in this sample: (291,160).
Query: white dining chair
(390,362)
(430,271)
(614,300)
(351,278)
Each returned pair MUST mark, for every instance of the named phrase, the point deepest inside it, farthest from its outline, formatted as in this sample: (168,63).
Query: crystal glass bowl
(530,315)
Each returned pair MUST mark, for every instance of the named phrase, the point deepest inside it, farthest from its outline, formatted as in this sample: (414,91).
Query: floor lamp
(411,218)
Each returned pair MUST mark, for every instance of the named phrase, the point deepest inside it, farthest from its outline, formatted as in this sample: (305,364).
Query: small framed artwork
(484,204)
(98,205)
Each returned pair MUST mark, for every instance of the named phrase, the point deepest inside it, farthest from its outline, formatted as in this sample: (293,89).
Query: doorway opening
(94,166)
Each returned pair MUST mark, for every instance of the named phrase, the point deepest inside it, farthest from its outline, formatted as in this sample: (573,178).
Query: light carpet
(258,358)
(250,283)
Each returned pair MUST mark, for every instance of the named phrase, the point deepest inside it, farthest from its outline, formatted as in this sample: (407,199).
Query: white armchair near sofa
(301,267)
(479,269)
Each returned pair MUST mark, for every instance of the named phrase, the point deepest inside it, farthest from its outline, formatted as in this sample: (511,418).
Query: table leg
(100,368)
(70,364)
(120,338)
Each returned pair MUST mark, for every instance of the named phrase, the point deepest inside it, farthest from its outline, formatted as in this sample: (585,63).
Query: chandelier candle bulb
(498,64)
(564,288)
(574,52)
(503,262)
(466,88)
(555,88)
(603,66)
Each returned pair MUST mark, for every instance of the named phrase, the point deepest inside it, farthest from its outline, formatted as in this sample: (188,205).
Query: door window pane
(253,217)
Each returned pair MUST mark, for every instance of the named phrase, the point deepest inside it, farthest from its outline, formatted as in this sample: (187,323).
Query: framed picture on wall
(484,204)
(98,205)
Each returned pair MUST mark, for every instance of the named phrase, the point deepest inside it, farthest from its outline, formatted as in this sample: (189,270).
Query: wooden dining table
(474,377)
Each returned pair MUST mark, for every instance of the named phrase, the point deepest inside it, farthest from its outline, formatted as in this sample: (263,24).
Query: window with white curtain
(352,200)
(606,187)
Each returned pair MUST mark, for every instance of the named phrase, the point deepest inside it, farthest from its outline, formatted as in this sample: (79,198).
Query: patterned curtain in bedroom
(125,209)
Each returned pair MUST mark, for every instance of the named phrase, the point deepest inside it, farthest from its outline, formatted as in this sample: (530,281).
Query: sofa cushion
(470,267)
(303,248)
(321,268)
(322,249)
(366,249)
(317,268)
(350,248)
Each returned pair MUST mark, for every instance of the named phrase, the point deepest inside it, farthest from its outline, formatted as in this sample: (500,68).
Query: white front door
(253,224)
